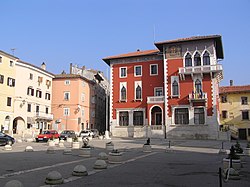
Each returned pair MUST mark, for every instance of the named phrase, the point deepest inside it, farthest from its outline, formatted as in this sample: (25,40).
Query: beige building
(32,101)
(7,90)
(234,110)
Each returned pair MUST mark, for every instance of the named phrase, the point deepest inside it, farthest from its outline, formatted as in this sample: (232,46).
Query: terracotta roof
(234,89)
(69,76)
(131,54)
(9,55)
(217,38)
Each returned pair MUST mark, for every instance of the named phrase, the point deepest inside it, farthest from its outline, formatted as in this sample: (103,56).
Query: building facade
(7,90)
(234,110)
(73,103)
(32,101)
(169,92)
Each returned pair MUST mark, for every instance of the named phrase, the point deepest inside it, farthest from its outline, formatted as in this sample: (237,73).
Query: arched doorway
(18,125)
(156,116)
(6,126)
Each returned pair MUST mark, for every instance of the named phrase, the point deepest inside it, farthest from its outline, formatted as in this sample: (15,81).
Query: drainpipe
(165,92)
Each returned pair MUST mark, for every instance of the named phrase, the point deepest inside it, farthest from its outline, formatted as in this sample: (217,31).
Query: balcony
(212,69)
(197,97)
(155,99)
(43,116)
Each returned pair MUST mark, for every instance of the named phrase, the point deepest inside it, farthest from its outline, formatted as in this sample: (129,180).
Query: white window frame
(67,82)
(120,73)
(135,71)
(156,69)
(175,78)
(202,57)
(66,111)
(64,94)
(120,95)
(137,83)
(11,63)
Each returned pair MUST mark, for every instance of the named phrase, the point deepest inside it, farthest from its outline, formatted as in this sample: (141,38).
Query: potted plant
(115,157)
(247,149)
(75,143)
(110,146)
(238,148)
(147,146)
(236,163)
(85,150)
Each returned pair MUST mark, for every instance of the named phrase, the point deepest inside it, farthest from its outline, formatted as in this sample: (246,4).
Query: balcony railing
(42,115)
(200,69)
(155,99)
(197,96)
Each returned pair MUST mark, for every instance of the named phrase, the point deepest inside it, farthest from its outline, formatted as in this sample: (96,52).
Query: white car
(86,133)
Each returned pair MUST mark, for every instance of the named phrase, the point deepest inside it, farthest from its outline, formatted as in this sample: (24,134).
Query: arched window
(123,93)
(206,59)
(175,88)
(197,86)
(197,59)
(188,60)
(138,92)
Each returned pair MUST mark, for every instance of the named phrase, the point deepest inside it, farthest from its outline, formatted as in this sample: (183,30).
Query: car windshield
(1,134)
(45,132)
(85,132)
(65,132)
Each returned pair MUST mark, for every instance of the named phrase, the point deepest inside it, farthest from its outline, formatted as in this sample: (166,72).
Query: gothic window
(198,86)
(138,92)
(197,59)
(206,59)
(188,60)
(123,94)
(175,88)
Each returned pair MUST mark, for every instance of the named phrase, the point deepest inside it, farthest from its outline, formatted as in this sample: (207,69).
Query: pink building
(73,103)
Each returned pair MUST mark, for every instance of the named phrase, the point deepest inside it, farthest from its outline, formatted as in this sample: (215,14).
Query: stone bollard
(53,178)
(100,164)
(51,143)
(51,150)
(61,143)
(75,145)
(7,147)
(13,183)
(115,157)
(19,141)
(69,140)
(56,141)
(102,156)
(85,152)
(80,170)
(147,148)
(109,146)
(29,140)
(67,151)
(29,149)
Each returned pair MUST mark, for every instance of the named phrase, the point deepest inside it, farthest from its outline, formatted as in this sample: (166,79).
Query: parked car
(86,133)
(47,135)
(6,139)
(67,134)
(95,133)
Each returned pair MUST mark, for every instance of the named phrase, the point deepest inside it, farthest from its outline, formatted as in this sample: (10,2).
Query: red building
(168,92)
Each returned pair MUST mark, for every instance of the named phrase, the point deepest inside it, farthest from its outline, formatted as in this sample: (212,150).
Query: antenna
(154,33)
(13,51)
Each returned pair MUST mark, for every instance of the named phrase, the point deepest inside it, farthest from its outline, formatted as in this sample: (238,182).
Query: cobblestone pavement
(189,163)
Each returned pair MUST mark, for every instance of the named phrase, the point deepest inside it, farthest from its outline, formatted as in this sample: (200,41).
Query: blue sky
(60,32)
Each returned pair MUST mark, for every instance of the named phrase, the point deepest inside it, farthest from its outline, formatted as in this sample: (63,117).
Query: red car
(46,135)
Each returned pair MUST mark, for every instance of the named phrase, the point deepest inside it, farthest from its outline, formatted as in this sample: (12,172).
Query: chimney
(43,66)
(231,82)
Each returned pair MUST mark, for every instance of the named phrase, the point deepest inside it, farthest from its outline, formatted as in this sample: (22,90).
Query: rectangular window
(181,116)
(47,110)
(93,114)
(1,79)
(39,93)
(67,82)
(123,118)
(82,112)
(224,99)
(11,82)
(29,107)
(244,101)
(8,101)
(83,97)
(158,91)
(31,76)
(123,72)
(66,96)
(245,115)
(11,63)
(93,99)
(1,59)
(66,111)
(138,118)
(199,116)
(224,114)
(47,96)
(30,91)
(153,69)
(138,71)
